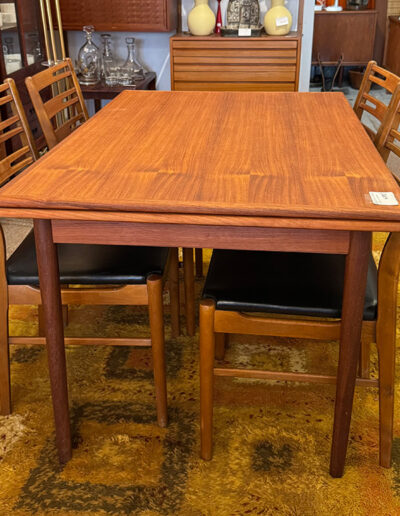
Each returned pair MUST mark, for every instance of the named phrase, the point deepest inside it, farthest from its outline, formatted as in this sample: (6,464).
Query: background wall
(153,48)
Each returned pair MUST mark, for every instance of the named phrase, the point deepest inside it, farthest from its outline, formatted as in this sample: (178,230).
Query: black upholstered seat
(89,264)
(283,283)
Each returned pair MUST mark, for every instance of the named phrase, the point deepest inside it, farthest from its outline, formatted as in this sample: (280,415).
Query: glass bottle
(107,60)
(89,59)
(132,66)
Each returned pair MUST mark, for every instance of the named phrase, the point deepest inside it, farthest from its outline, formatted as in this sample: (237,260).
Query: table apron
(199,236)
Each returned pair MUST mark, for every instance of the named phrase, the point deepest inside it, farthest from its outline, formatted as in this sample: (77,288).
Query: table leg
(97,105)
(188,273)
(350,337)
(51,301)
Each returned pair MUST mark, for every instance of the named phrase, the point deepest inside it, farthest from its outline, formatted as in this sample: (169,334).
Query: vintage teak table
(233,170)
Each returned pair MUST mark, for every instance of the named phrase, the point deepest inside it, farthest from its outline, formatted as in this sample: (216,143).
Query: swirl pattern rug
(271,439)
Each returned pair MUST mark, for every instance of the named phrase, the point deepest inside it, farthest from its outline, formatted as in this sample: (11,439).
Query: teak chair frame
(365,102)
(217,325)
(66,109)
(150,294)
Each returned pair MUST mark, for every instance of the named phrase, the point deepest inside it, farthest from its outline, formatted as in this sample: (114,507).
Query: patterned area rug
(272,439)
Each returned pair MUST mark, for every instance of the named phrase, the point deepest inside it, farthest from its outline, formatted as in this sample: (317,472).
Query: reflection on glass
(11,47)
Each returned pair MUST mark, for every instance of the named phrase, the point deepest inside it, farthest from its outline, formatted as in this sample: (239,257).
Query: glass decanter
(89,59)
(107,60)
(132,66)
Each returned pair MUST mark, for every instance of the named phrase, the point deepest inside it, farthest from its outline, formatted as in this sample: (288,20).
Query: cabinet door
(120,15)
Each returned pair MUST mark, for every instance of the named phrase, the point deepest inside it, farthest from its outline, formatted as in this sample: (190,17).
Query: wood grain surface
(286,155)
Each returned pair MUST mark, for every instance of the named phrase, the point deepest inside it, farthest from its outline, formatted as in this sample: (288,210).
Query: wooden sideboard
(120,15)
(392,54)
(351,33)
(217,63)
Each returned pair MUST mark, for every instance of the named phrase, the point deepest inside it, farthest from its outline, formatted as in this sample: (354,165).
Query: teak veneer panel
(276,155)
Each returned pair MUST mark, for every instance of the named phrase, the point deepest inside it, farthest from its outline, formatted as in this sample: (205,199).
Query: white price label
(383,198)
(244,32)
(284,20)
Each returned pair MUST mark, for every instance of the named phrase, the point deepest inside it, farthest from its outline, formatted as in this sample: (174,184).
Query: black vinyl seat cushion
(89,264)
(283,283)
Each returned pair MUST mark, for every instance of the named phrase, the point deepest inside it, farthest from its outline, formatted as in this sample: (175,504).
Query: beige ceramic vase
(201,19)
(278,20)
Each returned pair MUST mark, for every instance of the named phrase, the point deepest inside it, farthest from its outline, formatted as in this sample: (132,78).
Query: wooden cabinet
(351,33)
(218,63)
(120,15)
(392,58)
(21,48)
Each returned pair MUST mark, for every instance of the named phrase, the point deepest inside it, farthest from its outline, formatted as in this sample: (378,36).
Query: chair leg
(154,289)
(5,388)
(198,252)
(188,271)
(221,341)
(387,363)
(207,351)
(364,365)
(173,275)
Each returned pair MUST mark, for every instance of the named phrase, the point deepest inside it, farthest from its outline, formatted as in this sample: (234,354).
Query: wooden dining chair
(63,113)
(367,103)
(117,275)
(299,295)
(63,109)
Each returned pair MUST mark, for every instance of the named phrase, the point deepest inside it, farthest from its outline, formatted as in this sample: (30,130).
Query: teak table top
(277,155)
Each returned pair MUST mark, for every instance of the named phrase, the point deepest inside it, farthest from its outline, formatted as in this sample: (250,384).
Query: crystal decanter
(89,59)
(132,66)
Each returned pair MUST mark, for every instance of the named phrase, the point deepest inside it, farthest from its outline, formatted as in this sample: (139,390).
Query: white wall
(153,48)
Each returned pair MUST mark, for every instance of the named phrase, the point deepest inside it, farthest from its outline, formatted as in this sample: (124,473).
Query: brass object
(243,14)
(48,29)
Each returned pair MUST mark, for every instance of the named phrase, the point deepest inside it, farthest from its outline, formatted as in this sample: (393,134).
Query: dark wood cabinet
(120,15)
(392,57)
(21,48)
(351,33)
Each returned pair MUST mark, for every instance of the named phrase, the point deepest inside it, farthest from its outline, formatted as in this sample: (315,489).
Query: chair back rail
(365,102)
(14,126)
(66,110)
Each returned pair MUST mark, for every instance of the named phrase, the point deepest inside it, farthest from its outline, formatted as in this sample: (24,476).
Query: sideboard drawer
(256,64)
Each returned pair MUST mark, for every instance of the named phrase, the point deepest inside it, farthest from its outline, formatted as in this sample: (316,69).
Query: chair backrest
(66,109)
(374,74)
(17,146)
(388,136)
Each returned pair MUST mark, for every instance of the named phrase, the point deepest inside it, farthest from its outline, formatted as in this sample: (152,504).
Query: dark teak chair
(122,275)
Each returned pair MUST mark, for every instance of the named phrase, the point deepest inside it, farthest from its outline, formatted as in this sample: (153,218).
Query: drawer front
(234,65)
(234,86)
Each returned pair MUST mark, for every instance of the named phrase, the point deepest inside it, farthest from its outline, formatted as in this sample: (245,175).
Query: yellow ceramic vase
(201,19)
(278,20)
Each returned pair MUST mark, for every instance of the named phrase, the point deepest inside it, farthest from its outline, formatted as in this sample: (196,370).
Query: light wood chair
(365,102)
(281,285)
(121,275)
(62,114)
(65,110)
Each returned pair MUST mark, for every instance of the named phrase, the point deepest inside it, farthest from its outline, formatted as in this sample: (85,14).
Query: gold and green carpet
(272,439)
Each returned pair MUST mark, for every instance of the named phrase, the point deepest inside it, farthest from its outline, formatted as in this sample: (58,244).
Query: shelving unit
(22,51)
(217,63)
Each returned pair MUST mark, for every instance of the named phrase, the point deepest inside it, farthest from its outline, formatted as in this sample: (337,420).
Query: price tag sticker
(383,198)
(284,20)
(244,32)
